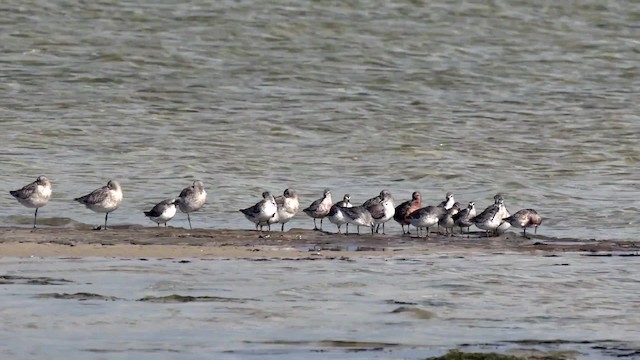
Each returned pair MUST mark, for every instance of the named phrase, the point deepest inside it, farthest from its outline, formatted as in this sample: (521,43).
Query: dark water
(407,308)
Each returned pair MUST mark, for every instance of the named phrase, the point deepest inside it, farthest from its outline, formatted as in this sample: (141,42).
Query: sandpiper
(192,198)
(288,206)
(105,199)
(448,201)
(262,211)
(447,221)
(525,218)
(383,210)
(504,213)
(406,208)
(335,214)
(34,195)
(489,219)
(426,217)
(359,216)
(164,211)
(463,217)
(320,208)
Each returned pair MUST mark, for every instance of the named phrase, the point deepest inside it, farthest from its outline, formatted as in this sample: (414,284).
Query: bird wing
(95,196)
(26,191)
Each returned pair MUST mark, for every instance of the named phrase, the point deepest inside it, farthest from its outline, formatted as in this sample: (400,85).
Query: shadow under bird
(525,218)
(34,195)
(288,206)
(336,216)
(381,208)
(463,218)
(426,217)
(262,212)
(192,198)
(320,208)
(164,211)
(103,200)
(358,216)
(405,209)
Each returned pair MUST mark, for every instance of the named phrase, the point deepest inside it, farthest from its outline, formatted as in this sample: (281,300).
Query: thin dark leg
(338,229)
(35,216)
(321,224)
(383,229)
(269,227)
(165,224)
(315,227)
(524,232)
(282,228)
(189,218)
(347,232)
(358,229)
(106,216)
(372,229)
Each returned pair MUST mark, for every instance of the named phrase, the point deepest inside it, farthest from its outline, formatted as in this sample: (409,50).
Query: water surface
(537,100)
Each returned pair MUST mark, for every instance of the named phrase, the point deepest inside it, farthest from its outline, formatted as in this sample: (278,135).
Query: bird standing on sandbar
(335,213)
(405,209)
(192,198)
(288,206)
(103,200)
(382,210)
(164,211)
(34,195)
(464,216)
(489,220)
(358,216)
(426,217)
(525,218)
(262,212)
(320,208)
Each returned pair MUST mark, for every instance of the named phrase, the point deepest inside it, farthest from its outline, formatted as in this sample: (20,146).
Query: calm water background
(534,99)
(490,302)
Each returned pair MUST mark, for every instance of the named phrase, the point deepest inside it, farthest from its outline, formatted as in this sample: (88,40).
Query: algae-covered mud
(138,241)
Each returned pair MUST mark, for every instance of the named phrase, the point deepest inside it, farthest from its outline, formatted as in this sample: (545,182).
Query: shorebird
(335,214)
(426,217)
(262,211)
(489,219)
(504,213)
(406,208)
(105,199)
(192,198)
(382,210)
(320,208)
(34,195)
(525,218)
(464,216)
(288,206)
(447,221)
(448,201)
(164,211)
(358,216)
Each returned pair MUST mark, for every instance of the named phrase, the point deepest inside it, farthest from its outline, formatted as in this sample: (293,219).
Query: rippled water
(406,308)
(535,99)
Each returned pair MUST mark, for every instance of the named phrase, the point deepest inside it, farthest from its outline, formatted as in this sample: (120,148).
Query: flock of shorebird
(373,213)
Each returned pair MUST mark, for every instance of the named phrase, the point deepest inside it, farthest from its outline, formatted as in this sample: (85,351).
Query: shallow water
(366,308)
(537,100)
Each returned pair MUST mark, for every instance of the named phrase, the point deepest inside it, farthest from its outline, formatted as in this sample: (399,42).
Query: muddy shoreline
(139,241)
